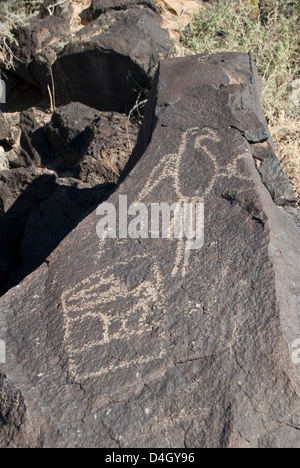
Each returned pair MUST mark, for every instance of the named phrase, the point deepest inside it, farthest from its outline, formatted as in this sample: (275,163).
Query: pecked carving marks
(173,166)
(101,313)
(178,170)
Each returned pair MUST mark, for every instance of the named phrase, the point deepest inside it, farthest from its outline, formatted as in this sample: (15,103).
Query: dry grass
(286,135)
(13,14)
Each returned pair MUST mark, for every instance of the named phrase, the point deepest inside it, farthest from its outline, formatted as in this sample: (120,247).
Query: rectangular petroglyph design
(100,305)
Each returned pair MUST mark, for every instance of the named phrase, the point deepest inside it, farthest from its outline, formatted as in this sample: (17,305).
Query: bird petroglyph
(101,311)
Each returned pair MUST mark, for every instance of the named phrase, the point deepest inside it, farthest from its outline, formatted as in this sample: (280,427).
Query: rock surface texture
(144,343)
(94,145)
(54,168)
(105,62)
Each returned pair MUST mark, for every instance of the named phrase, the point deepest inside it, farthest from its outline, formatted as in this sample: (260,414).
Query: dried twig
(137,107)
(53,88)
(109,164)
(51,99)
(51,8)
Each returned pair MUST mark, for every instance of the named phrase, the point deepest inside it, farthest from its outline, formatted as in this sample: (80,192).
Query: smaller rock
(4,128)
(62,9)
(256,135)
(4,164)
(278,185)
(109,150)
(94,145)
(33,58)
(18,157)
(71,130)
(99,7)
(272,174)
(28,126)
(10,132)
(18,139)
(33,137)
(14,138)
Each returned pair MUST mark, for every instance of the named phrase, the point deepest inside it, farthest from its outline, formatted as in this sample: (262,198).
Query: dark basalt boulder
(94,146)
(70,131)
(98,7)
(34,57)
(143,342)
(114,138)
(118,61)
(116,54)
(4,128)
(19,141)
(21,192)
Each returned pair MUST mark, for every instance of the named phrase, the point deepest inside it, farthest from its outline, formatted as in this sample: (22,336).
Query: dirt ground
(176,15)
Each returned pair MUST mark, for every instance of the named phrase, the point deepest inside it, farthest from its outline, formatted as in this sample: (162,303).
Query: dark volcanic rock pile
(72,117)
(142,342)
(104,64)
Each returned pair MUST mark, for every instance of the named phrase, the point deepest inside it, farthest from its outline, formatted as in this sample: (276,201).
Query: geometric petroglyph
(101,315)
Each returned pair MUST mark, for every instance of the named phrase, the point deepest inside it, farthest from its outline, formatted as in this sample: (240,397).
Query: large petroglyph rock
(143,342)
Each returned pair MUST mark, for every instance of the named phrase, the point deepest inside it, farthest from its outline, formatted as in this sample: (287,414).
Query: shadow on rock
(39,219)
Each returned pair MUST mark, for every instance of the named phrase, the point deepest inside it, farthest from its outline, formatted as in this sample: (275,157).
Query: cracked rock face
(156,345)
(97,143)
